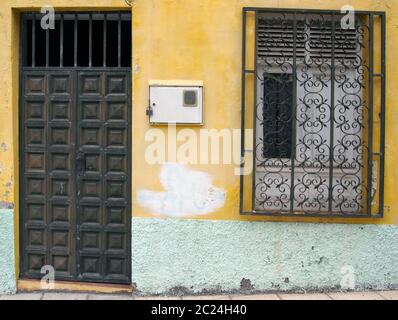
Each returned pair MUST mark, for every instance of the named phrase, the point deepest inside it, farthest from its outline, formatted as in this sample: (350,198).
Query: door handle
(80,162)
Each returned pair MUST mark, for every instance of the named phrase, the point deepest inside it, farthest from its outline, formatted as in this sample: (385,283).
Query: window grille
(313,92)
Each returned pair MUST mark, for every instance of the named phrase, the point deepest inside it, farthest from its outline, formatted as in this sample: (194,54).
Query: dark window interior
(82,43)
(54,43)
(68,43)
(110,35)
(40,44)
(27,55)
(126,43)
(98,42)
(112,43)
(277,115)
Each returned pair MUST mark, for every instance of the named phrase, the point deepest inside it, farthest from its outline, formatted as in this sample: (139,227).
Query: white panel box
(179,102)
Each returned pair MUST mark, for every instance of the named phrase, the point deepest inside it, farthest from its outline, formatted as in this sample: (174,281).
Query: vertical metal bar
(119,40)
(255,110)
(332,102)
(75,41)
(370,115)
(47,47)
(383,112)
(90,41)
(34,40)
(242,123)
(294,112)
(104,41)
(23,44)
(61,41)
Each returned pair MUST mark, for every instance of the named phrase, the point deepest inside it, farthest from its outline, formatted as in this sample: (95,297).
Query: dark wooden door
(75,174)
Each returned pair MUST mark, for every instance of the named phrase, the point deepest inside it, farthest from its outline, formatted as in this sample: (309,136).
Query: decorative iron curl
(324,169)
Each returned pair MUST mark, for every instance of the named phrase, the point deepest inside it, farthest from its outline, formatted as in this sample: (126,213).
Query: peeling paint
(6,205)
(4,147)
(246,285)
(187,193)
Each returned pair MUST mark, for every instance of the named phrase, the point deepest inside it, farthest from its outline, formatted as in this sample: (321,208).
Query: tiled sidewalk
(374,295)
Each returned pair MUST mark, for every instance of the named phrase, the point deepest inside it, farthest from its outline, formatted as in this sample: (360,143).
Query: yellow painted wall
(189,40)
(202,40)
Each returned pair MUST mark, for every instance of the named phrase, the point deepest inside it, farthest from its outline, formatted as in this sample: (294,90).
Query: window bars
(313,91)
(100,39)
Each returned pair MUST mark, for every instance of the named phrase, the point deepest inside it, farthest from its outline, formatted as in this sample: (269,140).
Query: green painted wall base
(181,256)
(194,256)
(7,254)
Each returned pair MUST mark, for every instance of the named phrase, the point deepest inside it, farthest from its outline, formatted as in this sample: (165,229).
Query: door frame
(19,154)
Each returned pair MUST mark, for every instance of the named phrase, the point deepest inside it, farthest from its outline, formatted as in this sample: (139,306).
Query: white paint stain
(187,193)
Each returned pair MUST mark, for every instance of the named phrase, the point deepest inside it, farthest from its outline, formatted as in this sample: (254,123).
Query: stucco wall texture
(7,254)
(180,256)
(201,40)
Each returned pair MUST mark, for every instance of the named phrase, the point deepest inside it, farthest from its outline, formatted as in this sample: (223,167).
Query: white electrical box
(175,102)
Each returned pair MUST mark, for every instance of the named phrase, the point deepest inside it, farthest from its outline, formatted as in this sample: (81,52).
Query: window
(318,118)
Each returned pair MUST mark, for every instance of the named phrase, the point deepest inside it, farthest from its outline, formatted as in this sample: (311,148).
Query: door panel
(48,196)
(76,182)
(103,192)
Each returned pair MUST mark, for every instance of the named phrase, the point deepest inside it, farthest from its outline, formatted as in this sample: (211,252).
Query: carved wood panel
(75,174)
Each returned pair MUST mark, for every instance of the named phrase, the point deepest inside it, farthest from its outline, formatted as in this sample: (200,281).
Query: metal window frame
(245,72)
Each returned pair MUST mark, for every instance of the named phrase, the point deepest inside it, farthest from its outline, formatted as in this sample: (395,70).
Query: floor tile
(223,297)
(64,296)
(109,297)
(355,296)
(307,296)
(256,297)
(389,295)
(22,296)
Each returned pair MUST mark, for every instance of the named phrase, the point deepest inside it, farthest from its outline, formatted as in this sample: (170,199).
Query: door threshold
(29,285)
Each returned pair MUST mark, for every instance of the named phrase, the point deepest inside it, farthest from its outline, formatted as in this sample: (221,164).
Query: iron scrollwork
(311,114)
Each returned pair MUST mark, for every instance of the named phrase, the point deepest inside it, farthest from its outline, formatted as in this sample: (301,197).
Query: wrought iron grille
(313,91)
(99,39)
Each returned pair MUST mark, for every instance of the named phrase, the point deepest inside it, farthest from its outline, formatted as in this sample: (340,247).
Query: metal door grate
(78,40)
